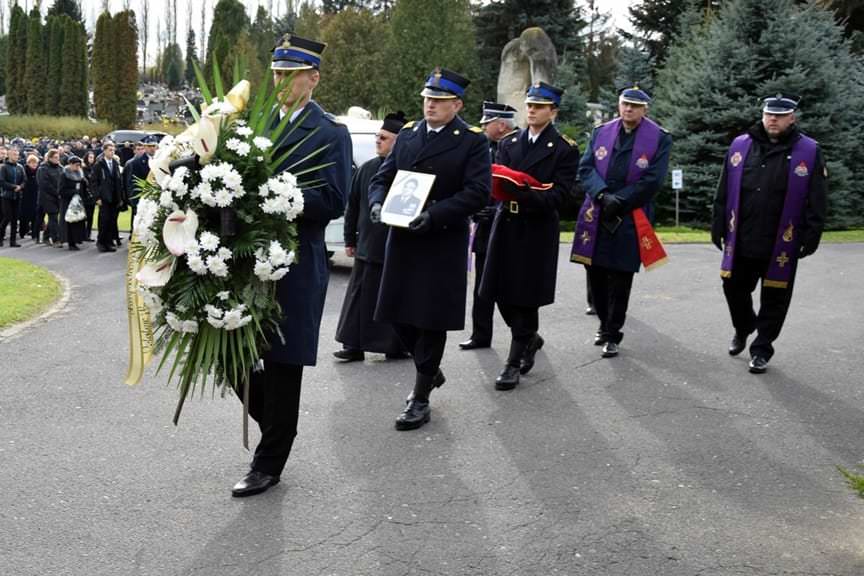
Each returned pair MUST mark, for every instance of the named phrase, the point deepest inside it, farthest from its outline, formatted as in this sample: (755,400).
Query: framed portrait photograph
(406,197)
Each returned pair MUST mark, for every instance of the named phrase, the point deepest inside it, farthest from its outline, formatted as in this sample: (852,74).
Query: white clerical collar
(430,129)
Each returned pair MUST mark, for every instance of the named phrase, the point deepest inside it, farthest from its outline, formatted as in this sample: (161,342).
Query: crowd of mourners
(50,190)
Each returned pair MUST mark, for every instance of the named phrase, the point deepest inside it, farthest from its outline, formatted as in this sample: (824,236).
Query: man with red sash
(536,169)
(769,211)
(621,171)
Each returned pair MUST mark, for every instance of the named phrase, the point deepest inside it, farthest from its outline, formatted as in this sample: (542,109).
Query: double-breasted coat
(522,256)
(425,275)
(619,250)
(302,291)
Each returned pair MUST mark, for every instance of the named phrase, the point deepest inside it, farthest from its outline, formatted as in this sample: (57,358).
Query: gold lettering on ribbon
(789,234)
(589,213)
(782,260)
(140,326)
(732,222)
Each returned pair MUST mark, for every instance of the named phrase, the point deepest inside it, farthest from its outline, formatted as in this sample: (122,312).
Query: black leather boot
(417,410)
(509,377)
(535,344)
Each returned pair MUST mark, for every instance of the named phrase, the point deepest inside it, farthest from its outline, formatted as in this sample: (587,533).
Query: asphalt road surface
(668,460)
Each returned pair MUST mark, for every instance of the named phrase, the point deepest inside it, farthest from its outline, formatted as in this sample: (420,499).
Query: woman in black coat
(73,183)
(29,222)
(49,178)
(90,201)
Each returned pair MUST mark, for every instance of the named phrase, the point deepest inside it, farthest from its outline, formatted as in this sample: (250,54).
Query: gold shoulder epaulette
(569,140)
(408,125)
(476,129)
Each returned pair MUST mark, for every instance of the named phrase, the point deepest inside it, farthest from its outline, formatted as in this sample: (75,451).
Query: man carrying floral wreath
(274,396)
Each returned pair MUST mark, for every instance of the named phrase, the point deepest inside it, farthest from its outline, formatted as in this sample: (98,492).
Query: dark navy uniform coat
(302,291)
(620,250)
(522,257)
(425,275)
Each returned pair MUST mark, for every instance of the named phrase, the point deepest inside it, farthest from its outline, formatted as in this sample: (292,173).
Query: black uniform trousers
(610,291)
(274,403)
(107,224)
(524,321)
(773,304)
(10,217)
(90,210)
(482,309)
(426,346)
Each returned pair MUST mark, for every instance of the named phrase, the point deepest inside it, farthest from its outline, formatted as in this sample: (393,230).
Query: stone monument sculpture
(525,60)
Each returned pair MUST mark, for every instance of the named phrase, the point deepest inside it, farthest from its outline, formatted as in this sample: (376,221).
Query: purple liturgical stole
(644,148)
(787,243)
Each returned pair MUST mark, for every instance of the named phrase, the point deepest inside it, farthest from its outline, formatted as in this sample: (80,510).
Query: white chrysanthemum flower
(233,180)
(233,143)
(263,270)
(243,149)
(259,158)
(278,255)
(178,325)
(224,295)
(209,241)
(166,199)
(196,264)
(262,143)
(151,300)
(279,274)
(217,266)
(192,247)
(242,129)
(264,190)
(225,253)
(144,218)
(223,198)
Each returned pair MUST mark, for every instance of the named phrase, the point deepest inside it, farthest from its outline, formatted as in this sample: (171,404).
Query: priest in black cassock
(365,242)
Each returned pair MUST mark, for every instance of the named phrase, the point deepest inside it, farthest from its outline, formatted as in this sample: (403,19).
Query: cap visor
(633,101)
(538,100)
(777,111)
(290,65)
(439,94)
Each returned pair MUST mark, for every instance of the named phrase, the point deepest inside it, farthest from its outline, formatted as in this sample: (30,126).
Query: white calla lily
(179,230)
(156,274)
(238,96)
(205,136)
(160,164)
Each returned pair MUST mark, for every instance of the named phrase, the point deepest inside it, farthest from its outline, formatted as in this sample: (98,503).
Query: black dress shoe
(758,365)
(397,355)
(253,483)
(473,344)
(74,247)
(14,245)
(415,415)
(508,379)
(530,351)
(349,355)
(610,350)
(599,339)
(737,345)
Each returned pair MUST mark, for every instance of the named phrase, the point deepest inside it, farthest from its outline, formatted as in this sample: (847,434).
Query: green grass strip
(26,291)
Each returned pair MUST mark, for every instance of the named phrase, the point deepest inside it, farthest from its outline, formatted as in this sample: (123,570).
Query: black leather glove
(421,224)
(612,205)
(486,214)
(375,213)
